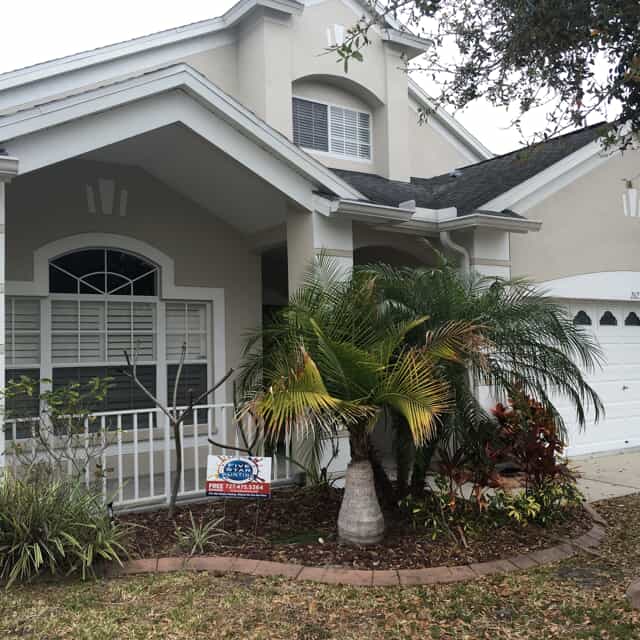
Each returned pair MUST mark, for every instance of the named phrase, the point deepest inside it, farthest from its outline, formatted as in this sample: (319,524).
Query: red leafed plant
(531,440)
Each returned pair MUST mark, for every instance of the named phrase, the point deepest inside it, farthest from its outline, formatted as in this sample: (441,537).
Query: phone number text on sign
(238,477)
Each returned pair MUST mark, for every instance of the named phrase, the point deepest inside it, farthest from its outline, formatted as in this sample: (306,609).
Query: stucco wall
(51,204)
(583,227)
(218,65)
(431,153)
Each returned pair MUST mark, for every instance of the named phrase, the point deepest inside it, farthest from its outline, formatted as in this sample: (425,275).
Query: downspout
(445,239)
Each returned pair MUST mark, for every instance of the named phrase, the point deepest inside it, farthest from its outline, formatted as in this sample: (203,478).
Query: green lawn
(580,598)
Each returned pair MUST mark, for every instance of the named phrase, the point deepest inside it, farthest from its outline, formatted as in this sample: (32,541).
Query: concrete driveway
(608,476)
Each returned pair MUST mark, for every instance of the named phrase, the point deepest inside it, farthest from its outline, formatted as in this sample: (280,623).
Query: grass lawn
(579,598)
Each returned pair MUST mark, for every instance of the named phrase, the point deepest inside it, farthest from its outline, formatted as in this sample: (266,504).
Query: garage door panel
(617,383)
(620,372)
(621,354)
(613,410)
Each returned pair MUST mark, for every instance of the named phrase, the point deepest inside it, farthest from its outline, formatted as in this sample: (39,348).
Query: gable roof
(469,188)
(177,81)
(109,52)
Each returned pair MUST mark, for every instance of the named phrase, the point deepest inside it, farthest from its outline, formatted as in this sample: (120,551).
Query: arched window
(103,302)
(103,271)
(632,320)
(608,320)
(581,318)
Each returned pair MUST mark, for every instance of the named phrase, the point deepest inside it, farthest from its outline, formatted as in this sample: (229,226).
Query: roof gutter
(411,220)
(514,225)
(369,212)
(8,167)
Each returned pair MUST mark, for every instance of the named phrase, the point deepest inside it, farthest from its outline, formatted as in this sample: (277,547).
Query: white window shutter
(64,326)
(310,124)
(22,331)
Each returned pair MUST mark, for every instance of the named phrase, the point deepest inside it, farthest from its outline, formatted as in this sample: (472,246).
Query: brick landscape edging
(366,578)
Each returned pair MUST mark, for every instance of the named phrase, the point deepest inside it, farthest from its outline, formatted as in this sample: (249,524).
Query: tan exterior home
(168,188)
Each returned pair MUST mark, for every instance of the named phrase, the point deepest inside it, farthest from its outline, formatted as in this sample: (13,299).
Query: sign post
(238,477)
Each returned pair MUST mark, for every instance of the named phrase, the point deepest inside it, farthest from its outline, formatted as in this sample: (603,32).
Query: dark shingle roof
(472,186)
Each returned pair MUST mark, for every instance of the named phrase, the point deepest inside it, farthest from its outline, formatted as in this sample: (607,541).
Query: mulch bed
(299,526)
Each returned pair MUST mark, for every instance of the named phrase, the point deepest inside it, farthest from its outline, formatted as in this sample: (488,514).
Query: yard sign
(238,477)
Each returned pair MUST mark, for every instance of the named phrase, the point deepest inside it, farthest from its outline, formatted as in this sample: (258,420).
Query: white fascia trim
(532,191)
(435,215)
(374,213)
(449,122)
(425,226)
(178,77)
(514,225)
(413,45)
(8,168)
(137,45)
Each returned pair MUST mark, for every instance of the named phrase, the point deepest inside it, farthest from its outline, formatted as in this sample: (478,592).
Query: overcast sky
(39,30)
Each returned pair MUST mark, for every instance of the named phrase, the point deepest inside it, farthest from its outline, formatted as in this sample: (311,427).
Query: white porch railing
(136,453)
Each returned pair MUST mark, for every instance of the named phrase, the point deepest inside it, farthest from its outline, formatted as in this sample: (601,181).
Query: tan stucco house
(168,188)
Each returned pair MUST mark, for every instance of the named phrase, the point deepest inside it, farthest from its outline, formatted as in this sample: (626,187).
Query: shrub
(61,430)
(532,440)
(200,536)
(543,505)
(54,526)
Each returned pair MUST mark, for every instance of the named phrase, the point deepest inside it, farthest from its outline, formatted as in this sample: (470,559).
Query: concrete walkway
(608,476)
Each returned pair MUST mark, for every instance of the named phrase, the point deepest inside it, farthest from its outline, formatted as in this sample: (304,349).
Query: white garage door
(616,326)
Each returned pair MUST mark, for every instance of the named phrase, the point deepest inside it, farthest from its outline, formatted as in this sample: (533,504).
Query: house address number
(635,295)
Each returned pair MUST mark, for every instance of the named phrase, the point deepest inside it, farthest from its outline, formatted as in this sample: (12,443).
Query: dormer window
(332,129)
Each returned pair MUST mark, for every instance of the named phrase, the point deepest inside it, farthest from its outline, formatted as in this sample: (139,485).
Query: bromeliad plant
(334,360)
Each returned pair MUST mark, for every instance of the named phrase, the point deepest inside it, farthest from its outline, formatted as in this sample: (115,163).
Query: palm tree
(333,360)
(532,346)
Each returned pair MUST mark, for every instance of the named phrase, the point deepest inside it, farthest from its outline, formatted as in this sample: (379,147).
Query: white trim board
(449,126)
(62,129)
(604,285)
(159,48)
(527,194)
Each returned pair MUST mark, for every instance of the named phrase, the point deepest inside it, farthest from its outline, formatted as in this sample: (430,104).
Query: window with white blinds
(22,331)
(101,330)
(339,130)
(310,124)
(186,324)
(350,132)
(102,303)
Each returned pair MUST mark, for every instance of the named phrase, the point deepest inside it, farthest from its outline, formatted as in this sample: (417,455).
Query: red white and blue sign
(238,477)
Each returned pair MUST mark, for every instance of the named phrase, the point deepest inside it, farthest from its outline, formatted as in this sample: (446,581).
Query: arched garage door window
(104,302)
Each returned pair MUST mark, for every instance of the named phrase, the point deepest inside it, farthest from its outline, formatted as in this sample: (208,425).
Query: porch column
(491,253)
(310,234)
(8,169)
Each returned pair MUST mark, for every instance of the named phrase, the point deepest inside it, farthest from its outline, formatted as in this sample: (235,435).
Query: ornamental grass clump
(56,527)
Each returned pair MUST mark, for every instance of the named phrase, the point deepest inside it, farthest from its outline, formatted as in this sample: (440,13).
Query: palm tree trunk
(360,519)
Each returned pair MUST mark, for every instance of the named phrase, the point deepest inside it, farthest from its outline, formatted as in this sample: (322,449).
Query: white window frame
(167,289)
(331,153)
